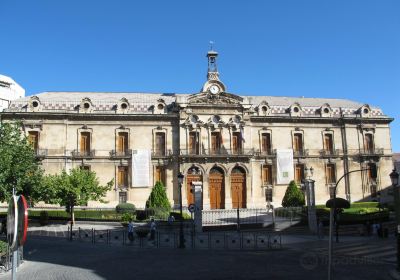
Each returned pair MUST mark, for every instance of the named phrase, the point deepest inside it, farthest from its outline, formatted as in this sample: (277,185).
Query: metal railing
(218,152)
(265,153)
(83,154)
(330,153)
(161,153)
(121,153)
(300,153)
(170,239)
(372,152)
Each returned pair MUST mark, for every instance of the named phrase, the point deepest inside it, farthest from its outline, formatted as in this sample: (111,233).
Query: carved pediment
(208,98)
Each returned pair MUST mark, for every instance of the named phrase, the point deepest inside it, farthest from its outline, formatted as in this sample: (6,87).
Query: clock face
(214,89)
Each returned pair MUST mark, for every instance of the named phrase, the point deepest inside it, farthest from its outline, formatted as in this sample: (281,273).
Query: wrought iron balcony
(121,153)
(161,153)
(300,153)
(83,154)
(372,152)
(329,153)
(265,153)
(221,152)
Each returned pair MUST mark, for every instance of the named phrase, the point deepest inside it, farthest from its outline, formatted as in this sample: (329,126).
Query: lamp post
(394,177)
(310,194)
(181,236)
(332,204)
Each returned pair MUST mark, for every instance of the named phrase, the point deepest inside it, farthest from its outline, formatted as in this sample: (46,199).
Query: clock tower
(213,84)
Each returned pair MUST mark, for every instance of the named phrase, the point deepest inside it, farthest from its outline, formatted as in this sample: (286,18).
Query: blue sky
(312,48)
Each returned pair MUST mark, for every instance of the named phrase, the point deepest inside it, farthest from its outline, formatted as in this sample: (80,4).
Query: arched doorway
(193,175)
(217,188)
(238,187)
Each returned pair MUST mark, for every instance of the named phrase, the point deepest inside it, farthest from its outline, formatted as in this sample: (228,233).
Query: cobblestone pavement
(55,258)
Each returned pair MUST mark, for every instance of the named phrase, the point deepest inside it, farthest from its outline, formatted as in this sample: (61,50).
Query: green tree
(158,198)
(19,166)
(75,188)
(294,197)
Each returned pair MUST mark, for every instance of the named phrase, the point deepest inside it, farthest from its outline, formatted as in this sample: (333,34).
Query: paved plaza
(301,257)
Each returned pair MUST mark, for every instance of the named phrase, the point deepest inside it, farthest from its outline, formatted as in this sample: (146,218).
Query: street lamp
(394,177)
(181,236)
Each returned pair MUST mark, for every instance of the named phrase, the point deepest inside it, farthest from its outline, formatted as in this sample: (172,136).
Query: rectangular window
(159,175)
(215,142)
(330,173)
(160,144)
(122,176)
(122,143)
(298,173)
(236,142)
(266,147)
(123,197)
(328,144)
(268,194)
(85,143)
(368,143)
(267,175)
(194,143)
(298,143)
(33,139)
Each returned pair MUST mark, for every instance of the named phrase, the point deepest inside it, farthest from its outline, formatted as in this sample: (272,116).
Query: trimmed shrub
(158,213)
(44,218)
(158,198)
(126,218)
(294,197)
(125,208)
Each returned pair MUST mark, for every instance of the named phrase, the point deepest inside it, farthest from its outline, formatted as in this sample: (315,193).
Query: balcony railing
(265,153)
(83,154)
(161,153)
(218,152)
(121,154)
(300,153)
(41,153)
(373,152)
(329,153)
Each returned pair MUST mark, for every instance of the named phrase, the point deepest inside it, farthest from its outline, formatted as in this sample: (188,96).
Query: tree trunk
(72,215)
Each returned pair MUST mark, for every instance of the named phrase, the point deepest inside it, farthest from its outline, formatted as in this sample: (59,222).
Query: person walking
(153,228)
(131,231)
(320,230)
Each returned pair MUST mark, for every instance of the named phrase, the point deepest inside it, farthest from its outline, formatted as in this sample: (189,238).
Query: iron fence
(193,240)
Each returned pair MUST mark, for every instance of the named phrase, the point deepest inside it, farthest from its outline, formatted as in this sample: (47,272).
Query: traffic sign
(12,223)
(22,220)
(192,208)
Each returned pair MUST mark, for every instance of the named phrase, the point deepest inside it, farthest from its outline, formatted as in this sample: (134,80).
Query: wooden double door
(238,189)
(189,179)
(217,189)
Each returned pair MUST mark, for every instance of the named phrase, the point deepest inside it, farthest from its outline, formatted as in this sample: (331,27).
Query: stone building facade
(233,144)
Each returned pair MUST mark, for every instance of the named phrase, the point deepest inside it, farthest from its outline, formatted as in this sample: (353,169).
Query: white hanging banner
(141,168)
(284,166)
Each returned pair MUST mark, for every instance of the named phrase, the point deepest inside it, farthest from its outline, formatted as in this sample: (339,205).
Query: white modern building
(9,90)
